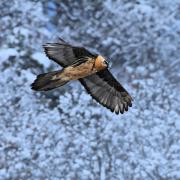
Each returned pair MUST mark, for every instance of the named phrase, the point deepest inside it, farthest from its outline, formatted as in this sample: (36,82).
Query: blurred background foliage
(64,134)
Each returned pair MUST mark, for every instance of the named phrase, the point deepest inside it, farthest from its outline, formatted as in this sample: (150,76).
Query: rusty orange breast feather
(99,63)
(83,70)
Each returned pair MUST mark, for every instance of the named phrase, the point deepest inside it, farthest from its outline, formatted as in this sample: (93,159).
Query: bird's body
(78,71)
(90,69)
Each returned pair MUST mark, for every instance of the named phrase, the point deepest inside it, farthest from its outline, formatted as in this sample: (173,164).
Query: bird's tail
(48,81)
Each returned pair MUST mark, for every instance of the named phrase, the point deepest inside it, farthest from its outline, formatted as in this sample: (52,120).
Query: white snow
(6,53)
(41,58)
(64,134)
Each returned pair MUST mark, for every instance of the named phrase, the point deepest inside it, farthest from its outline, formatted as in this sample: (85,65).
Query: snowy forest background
(64,134)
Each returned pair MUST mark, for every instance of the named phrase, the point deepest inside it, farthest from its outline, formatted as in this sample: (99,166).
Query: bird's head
(101,63)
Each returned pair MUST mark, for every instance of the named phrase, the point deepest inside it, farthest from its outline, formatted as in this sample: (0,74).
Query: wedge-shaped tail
(48,81)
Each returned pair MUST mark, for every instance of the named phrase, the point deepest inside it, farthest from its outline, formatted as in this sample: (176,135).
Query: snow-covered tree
(64,134)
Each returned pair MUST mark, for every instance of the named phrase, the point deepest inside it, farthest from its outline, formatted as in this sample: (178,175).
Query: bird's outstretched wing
(65,54)
(106,90)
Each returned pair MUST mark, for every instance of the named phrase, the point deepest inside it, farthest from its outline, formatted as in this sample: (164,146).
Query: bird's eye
(105,62)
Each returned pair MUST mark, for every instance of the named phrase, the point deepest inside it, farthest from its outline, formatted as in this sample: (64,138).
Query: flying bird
(90,69)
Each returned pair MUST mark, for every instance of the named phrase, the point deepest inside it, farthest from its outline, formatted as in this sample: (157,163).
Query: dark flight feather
(45,82)
(65,54)
(79,61)
(106,90)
